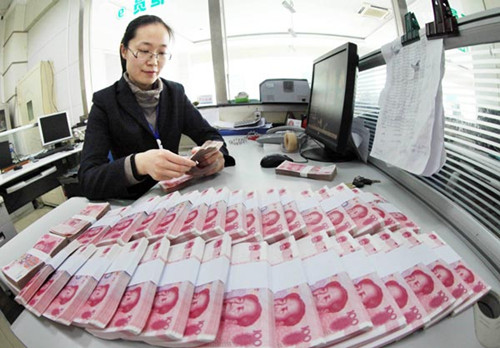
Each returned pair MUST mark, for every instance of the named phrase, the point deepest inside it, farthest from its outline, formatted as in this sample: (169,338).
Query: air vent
(372,11)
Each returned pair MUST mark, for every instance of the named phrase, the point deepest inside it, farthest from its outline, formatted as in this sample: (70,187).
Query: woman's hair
(132,29)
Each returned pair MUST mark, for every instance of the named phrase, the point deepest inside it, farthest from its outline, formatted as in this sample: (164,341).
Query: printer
(284,91)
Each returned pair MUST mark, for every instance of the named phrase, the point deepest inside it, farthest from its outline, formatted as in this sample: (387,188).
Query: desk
(19,187)
(248,175)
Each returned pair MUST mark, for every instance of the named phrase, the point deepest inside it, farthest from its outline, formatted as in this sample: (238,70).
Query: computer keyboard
(53,151)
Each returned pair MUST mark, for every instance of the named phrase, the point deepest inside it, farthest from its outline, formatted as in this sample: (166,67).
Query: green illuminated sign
(140,6)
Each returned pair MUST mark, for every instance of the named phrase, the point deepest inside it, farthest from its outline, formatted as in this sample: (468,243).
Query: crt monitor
(331,105)
(54,128)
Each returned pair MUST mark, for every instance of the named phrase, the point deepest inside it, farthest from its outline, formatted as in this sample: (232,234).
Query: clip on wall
(411,27)
(445,24)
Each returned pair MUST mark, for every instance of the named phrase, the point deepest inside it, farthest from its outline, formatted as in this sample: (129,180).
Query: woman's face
(153,38)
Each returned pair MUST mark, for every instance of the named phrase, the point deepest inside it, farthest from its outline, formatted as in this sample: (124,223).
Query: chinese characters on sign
(141,6)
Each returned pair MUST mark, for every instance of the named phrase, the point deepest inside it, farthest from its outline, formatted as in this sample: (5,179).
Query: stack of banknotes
(228,268)
(307,171)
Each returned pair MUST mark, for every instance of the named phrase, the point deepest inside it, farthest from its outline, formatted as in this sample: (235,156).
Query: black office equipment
(5,156)
(331,105)
(53,151)
(445,24)
(54,128)
(274,160)
(411,28)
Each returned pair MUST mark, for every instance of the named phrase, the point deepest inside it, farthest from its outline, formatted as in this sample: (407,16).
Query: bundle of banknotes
(307,171)
(174,184)
(228,268)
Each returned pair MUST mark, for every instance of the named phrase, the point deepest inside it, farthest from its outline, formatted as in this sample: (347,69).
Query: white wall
(55,38)
(52,34)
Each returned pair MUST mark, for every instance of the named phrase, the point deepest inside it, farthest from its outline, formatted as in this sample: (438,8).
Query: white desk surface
(31,166)
(248,175)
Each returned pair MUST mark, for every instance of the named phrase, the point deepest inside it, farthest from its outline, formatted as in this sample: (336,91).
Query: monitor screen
(5,156)
(54,128)
(331,104)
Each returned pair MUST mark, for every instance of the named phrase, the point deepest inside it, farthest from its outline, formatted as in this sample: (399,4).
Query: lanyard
(155,131)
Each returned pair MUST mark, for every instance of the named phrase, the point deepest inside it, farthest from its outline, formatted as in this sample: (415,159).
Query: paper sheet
(361,137)
(410,127)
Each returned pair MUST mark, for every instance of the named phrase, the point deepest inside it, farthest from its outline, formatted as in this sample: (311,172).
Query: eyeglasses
(146,55)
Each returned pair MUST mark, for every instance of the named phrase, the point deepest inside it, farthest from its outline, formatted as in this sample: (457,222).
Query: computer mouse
(274,160)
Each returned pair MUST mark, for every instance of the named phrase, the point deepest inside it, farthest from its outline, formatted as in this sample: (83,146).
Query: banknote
(122,231)
(169,314)
(247,314)
(105,298)
(340,309)
(76,292)
(71,228)
(135,304)
(44,296)
(206,305)
(296,224)
(253,220)
(42,275)
(307,171)
(19,271)
(314,216)
(296,319)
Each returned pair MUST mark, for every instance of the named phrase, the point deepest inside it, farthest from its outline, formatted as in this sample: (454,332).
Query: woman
(140,120)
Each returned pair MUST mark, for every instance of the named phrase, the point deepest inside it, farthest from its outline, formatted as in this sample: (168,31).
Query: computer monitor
(54,128)
(331,104)
(5,156)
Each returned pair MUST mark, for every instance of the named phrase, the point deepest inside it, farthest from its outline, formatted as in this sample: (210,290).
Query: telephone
(275,135)
(285,128)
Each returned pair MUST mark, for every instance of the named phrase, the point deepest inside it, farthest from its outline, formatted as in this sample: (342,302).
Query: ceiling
(257,17)
(190,19)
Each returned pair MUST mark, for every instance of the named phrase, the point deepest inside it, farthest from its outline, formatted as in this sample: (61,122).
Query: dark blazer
(116,123)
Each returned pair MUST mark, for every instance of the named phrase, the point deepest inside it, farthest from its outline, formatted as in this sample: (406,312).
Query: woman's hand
(209,164)
(162,164)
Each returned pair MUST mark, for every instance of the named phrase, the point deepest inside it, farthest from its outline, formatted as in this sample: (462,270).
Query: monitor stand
(321,154)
